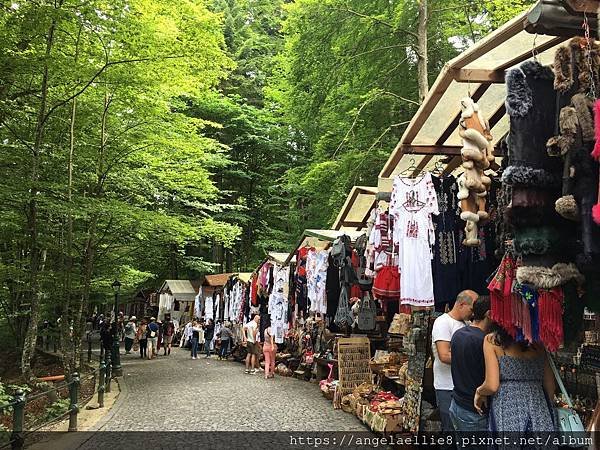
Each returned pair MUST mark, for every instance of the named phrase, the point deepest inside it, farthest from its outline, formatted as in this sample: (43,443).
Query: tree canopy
(142,139)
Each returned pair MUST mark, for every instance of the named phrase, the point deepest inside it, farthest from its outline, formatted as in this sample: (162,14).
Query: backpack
(341,250)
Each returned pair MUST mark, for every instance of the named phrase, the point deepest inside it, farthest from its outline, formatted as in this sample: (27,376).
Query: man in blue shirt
(468,369)
(152,335)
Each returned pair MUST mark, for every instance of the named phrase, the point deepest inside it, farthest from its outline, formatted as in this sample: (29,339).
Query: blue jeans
(224,348)
(467,422)
(443,399)
(194,347)
(208,347)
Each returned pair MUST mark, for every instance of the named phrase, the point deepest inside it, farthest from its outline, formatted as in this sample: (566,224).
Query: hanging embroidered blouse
(412,204)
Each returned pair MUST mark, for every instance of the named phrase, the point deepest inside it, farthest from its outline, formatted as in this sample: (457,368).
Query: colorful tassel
(596,213)
(596,151)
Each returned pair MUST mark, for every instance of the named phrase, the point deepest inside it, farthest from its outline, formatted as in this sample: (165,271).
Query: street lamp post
(116,357)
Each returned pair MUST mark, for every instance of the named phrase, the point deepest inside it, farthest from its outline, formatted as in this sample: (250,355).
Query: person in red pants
(269,350)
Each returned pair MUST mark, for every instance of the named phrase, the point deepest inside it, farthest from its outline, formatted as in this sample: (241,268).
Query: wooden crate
(354,356)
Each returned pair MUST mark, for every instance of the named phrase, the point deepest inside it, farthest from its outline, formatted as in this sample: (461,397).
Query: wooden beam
(456,161)
(519,58)
(451,150)
(479,75)
(421,165)
(489,42)
(346,208)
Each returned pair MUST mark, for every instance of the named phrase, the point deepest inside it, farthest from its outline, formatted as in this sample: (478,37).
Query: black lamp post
(116,357)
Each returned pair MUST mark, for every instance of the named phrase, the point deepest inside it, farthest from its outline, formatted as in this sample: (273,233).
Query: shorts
(253,348)
(387,284)
(167,340)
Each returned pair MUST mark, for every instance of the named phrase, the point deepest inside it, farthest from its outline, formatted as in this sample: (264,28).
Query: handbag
(568,420)
(367,313)
(343,315)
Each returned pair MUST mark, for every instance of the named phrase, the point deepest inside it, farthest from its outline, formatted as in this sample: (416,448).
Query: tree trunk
(422,61)
(34,260)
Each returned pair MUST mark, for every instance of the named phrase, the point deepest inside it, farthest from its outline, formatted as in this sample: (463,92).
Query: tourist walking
(249,341)
(143,338)
(468,369)
(106,338)
(130,333)
(519,382)
(152,335)
(269,350)
(168,330)
(209,333)
(441,336)
(226,336)
(196,329)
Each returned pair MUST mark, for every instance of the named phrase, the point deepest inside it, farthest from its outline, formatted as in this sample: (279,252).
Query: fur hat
(549,277)
(561,144)
(528,176)
(536,240)
(567,207)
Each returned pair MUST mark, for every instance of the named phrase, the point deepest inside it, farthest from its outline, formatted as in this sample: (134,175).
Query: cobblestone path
(176,393)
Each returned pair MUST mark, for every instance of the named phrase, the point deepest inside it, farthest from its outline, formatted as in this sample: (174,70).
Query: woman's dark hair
(267,320)
(503,339)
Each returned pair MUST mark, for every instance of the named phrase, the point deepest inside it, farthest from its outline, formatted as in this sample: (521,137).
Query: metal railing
(19,401)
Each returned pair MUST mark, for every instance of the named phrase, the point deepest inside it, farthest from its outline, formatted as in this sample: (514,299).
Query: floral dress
(412,203)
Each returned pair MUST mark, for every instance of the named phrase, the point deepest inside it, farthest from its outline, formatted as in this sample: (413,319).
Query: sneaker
(246,371)
(253,371)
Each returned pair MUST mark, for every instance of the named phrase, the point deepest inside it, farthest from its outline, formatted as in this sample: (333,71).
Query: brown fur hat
(563,73)
(583,107)
(566,206)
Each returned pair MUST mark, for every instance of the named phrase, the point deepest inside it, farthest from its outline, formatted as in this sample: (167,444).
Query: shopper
(130,332)
(519,380)
(142,337)
(209,331)
(196,330)
(226,336)
(106,337)
(249,341)
(168,330)
(269,350)
(468,369)
(152,335)
(443,329)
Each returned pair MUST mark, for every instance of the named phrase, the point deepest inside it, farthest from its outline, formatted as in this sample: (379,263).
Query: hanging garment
(197,310)
(446,271)
(209,307)
(316,276)
(412,204)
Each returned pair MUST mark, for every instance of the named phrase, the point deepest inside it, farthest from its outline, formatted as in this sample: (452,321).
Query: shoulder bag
(367,313)
(568,420)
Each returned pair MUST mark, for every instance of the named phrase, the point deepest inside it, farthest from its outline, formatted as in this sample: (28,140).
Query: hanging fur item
(549,277)
(477,154)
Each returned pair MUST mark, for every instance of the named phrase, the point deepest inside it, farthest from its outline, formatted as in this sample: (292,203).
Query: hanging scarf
(550,305)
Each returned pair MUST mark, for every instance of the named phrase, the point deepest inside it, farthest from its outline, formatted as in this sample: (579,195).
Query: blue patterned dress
(520,405)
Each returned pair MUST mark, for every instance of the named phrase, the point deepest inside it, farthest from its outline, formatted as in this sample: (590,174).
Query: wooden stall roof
(321,239)
(182,290)
(479,72)
(216,280)
(355,212)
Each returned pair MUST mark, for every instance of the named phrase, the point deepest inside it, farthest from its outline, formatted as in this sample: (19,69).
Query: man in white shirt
(249,340)
(441,335)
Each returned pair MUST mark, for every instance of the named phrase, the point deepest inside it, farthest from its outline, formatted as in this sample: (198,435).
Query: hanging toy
(476,154)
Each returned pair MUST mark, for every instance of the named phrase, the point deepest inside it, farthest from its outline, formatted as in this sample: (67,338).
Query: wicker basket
(328,394)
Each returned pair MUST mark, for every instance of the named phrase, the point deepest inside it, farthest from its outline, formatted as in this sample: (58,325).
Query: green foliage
(55,410)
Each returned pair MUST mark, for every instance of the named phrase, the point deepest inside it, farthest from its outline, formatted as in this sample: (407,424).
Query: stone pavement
(176,393)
